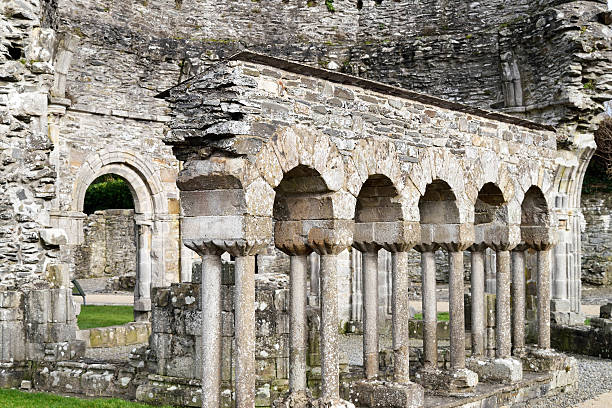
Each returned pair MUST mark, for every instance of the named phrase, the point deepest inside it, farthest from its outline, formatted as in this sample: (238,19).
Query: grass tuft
(19,399)
(442,316)
(104,316)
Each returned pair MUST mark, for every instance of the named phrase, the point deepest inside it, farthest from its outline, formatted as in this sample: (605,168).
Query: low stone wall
(109,245)
(115,336)
(592,340)
(597,239)
(176,341)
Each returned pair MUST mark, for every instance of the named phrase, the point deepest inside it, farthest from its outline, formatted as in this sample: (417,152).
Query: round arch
(142,180)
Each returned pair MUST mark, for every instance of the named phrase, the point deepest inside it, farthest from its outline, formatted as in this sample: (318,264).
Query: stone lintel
(330,237)
(496,236)
(507,370)
(395,236)
(451,237)
(227,228)
(386,394)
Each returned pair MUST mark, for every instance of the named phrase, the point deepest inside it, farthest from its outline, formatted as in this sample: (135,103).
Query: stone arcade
(316,161)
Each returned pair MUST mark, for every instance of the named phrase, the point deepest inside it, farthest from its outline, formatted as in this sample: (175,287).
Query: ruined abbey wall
(109,246)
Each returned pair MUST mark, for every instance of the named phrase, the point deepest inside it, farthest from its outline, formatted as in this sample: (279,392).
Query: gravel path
(594,378)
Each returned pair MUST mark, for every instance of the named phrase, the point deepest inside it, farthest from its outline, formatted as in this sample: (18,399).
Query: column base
(447,380)
(335,403)
(298,399)
(387,394)
(506,370)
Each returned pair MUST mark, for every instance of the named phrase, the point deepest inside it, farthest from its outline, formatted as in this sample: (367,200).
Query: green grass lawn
(442,317)
(104,316)
(19,399)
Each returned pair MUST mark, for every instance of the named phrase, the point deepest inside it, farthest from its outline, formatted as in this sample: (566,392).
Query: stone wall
(27,179)
(597,239)
(176,338)
(109,246)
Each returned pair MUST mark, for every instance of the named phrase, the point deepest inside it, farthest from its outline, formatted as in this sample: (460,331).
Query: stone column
(244,304)
(288,238)
(502,304)
(211,321)
(244,318)
(456,309)
(298,340)
(478,300)
(401,312)
(369,253)
(328,248)
(142,298)
(518,301)
(543,299)
(429,305)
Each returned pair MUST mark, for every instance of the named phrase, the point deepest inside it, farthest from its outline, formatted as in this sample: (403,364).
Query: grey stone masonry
(313,160)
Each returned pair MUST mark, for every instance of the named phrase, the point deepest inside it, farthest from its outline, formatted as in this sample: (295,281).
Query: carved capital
(288,238)
(237,247)
(522,247)
(331,240)
(480,247)
(539,238)
(202,247)
(366,246)
(427,247)
(455,246)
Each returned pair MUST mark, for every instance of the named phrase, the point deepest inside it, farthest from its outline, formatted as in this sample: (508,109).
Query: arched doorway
(154,226)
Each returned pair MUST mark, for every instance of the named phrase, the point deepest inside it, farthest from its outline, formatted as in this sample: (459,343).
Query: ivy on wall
(108,192)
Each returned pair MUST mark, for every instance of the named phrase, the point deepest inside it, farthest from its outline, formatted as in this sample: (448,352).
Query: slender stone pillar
(478,300)
(543,299)
(401,317)
(211,320)
(298,340)
(369,274)
(502,305)
(330,388)
(142,298)
(456,309)
(429,305)
(244,309)
(211,330)
(518,301)
(328,243)
(287,238)
(370,314)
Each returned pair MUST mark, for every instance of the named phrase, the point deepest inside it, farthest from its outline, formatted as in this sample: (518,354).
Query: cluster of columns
(510,298)
(399,305)
(244,253)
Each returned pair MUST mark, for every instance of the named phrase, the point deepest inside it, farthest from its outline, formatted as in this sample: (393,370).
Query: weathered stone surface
(507,370)
(109,245)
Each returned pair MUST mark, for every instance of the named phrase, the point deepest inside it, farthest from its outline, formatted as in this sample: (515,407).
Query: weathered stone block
(386,394)
(508,370)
